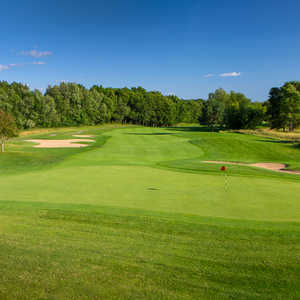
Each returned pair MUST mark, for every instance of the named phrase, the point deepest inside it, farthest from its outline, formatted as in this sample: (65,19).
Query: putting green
(158,190)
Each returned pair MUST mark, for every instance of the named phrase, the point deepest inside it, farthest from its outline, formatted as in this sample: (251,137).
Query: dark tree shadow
(277,141)
(297,146)
(154,133)
(193,129)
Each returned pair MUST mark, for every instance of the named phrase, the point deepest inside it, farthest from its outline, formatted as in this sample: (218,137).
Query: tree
(291,98)
(283,106)
(214,108)
(240,113)
(71,104)
(255,115)
(8,128)
(275,112)
(189,111)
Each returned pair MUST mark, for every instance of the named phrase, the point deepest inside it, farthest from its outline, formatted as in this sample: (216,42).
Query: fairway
(138,214)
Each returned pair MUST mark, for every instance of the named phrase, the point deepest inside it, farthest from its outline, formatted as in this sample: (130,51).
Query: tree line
(232,111)
(71,104)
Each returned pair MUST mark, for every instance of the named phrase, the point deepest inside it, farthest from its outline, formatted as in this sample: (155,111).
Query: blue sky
(188,48)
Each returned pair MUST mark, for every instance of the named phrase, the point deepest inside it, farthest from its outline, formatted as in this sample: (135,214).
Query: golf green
(139,215)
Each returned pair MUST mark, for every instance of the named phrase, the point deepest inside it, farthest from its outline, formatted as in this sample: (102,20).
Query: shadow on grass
(279,141)
(297,146)
(154,133)
(193,129)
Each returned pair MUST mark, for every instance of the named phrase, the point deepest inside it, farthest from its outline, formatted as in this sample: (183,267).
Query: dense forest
(71,104)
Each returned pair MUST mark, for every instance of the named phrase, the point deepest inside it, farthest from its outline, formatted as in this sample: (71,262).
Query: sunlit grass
(138,215)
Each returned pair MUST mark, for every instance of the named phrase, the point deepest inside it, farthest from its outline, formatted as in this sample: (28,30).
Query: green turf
(138,215)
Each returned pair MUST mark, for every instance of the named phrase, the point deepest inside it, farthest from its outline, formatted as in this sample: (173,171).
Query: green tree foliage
(71,104)
(240,113)
(8,128)
(190,111)
(283,106)
(232,110)
(215,107)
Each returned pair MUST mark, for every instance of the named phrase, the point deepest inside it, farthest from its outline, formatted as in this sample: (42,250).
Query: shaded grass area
(77,251)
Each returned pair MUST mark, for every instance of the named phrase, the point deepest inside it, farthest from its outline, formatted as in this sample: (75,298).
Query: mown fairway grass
(137,215)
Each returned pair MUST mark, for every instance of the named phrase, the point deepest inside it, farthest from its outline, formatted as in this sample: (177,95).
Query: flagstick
(226,182)
(224,169)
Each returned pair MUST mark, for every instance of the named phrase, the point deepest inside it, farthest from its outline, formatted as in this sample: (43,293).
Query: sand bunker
(83,135)
(72,143)
(268,166)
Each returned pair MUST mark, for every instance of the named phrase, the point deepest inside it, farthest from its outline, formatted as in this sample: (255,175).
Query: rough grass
(138,216)
(277,134)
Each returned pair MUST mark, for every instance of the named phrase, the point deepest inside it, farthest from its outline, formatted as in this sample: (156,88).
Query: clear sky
(187,47)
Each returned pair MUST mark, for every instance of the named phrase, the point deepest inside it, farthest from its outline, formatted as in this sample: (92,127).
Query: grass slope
(138,216)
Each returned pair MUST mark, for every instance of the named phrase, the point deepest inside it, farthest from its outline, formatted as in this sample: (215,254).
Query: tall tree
(214,108)
(283,106)
(8,128)
(291,98)
(214,112)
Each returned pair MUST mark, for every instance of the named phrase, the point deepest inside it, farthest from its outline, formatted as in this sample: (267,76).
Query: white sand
(277,167)
(83,135)
(72,143)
